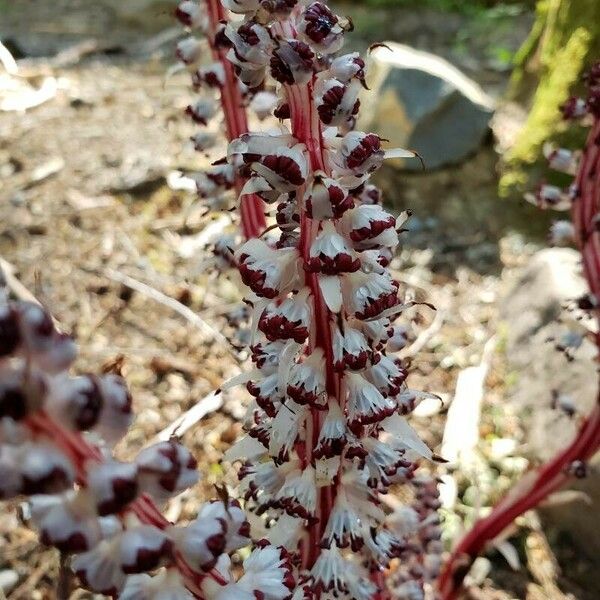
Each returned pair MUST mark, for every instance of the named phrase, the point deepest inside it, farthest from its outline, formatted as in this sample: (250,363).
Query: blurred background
(90,132)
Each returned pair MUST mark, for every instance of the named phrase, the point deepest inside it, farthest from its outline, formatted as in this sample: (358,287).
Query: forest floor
(86,217)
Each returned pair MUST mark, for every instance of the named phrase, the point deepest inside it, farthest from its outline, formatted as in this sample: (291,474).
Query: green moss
(565,40)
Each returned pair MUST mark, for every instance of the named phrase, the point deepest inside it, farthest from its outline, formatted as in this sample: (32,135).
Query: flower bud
(113,485)
(165,469)
(320,28)
(330,254)
(189,50)
(191,14)
(143,548)
(326,199)
(202,111)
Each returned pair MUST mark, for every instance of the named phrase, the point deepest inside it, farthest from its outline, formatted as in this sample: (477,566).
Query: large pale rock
(532,302)
(422,102)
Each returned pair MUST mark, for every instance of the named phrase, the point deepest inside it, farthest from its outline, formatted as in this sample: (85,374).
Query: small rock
(8,580)
(422,102)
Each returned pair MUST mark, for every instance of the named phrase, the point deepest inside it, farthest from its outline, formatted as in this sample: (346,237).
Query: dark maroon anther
(147,559)
(282,111)
(124,492)
(328,265)
(13,403)
(9,332)
(277,327)
(87,413)
(303,61)
(319,22)
(54,481)
(284,166)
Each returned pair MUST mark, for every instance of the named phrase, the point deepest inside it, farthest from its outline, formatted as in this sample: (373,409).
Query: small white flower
(344,526)
(350,349)
(550,196)
(165,469)
(330,571)
(307,380)
(267,272)
(267,574)
(166,584)
(333,434)
(298,494)
(189,50)
(562,233)
(348,66)
(365,403)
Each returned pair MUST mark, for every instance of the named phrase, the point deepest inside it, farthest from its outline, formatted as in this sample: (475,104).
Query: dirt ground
(86,215)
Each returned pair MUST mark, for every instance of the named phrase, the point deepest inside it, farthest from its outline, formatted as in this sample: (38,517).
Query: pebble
(8,580)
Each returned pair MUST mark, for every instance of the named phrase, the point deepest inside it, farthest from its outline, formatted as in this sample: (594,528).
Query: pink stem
(252,215)
(556,472)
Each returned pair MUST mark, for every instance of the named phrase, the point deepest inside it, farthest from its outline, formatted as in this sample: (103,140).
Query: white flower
(299,493)
(267,272)
(192,15)
(267,574)
(561,159)
(99,569)
(365,403)
(165,469)
(337,103)
(325,198)
(369,226)
(143,548)
(289,319)
(113,485)
(330,570)
(344,526)
(369,294)
(330,254)
(165,585)
(550,196)
(307,380)
(387,375)
(348,66)
(350,349)
(321,28)
(189,50)
(333,434)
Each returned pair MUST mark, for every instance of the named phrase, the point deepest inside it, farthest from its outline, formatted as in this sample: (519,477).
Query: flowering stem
(81,454)
(252,216)
(549,477)
(307,129)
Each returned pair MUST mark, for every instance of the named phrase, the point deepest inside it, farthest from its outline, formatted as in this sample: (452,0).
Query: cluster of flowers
(420,526)
(582,198)
(327,433)
(208,18)
(56,436)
